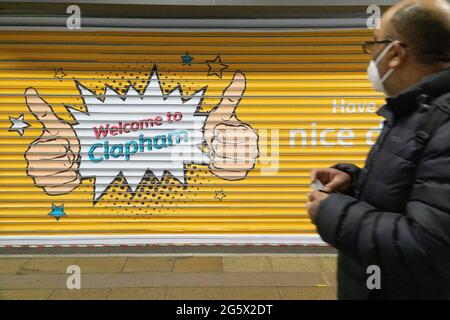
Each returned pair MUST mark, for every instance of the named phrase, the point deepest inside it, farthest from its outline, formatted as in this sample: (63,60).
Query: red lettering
(127,127)
(157,121)
(101,131)
(134,125)
(114,130)
(177,116)
(143,124)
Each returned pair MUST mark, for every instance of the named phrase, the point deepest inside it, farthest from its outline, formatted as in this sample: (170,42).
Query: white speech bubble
(140,142)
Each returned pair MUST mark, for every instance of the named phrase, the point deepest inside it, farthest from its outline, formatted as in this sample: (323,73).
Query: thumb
(231,97)
(42,110)
(333,185)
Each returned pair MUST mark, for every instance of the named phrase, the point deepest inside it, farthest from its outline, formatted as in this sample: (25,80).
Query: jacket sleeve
(410,247)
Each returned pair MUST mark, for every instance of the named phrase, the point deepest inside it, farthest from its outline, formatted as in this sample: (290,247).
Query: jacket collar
(433,86)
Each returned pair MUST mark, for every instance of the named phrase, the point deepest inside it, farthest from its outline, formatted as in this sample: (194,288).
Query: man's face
(378,47)
(381,34)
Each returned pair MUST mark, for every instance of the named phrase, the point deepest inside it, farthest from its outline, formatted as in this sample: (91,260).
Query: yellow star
(215,67)
(204,147)
(220,195)
(59,74)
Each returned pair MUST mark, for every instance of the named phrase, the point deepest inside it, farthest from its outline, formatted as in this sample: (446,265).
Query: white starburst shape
(123,134)
(18,124)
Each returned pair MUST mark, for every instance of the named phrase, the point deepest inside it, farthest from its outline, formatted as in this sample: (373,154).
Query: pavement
(170,277)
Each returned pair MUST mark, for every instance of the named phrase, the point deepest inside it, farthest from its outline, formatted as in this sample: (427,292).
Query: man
(395,212)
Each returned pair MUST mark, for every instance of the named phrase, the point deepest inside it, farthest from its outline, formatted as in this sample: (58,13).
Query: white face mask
(373,73)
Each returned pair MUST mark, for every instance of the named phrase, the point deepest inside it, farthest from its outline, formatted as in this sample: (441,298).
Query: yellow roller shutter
(121,105)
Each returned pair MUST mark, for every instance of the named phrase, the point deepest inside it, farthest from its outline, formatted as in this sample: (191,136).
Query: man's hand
(333,180)
(52,159)
(315,197)
(233,145)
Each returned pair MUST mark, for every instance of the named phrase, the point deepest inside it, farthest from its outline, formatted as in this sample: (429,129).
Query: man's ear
(397,54)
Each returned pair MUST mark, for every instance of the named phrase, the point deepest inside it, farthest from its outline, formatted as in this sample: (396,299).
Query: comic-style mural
(146,133)
(137,134)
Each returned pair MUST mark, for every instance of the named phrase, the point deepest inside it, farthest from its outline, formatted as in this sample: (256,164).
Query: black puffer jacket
(397,214)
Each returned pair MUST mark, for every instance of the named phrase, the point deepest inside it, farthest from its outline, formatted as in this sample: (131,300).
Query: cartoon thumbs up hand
(52,159)
(233,145)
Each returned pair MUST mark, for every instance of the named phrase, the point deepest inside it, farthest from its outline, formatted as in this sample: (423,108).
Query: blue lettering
(91,153)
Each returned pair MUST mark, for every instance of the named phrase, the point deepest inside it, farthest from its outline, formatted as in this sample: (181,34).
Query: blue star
(187,59)
(57,212)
